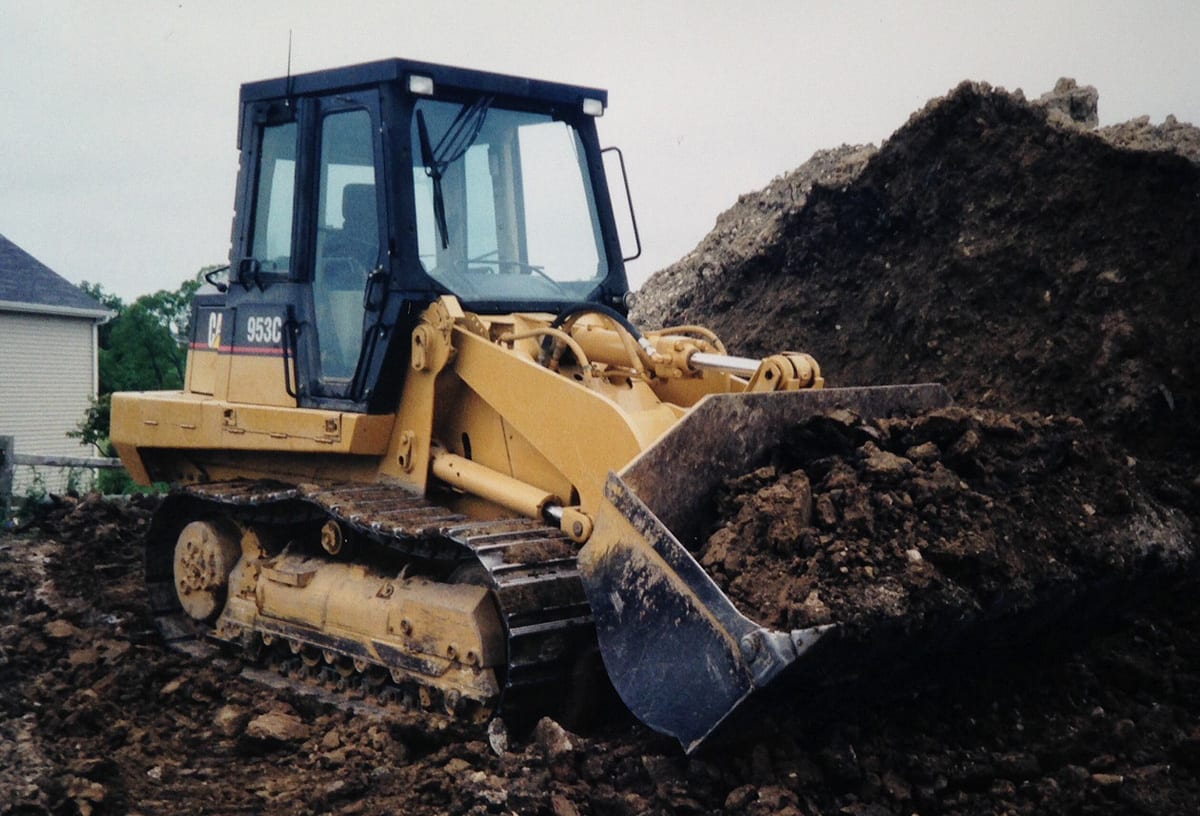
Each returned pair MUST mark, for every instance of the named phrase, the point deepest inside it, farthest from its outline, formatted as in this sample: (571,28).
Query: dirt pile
(906,525)
(1026,264)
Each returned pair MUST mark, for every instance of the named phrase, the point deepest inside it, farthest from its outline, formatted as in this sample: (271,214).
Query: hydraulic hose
(612,314)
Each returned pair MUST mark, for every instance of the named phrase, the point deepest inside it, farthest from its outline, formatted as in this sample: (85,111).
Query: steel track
(545,615)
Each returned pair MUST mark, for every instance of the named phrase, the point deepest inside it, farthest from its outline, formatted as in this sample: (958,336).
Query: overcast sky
(117,121)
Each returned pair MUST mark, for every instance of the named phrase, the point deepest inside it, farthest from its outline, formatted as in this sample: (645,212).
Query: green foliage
(114,482)
(78,481)
(36,491)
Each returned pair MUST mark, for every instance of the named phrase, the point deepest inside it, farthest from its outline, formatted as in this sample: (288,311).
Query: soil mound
(942,520)
(1026,263)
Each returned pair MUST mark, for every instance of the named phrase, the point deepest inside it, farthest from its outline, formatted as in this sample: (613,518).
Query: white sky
(117,121)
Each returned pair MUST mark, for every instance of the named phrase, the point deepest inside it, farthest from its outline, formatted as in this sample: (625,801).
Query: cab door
(348,237)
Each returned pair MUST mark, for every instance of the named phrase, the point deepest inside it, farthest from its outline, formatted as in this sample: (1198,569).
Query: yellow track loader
(421,453)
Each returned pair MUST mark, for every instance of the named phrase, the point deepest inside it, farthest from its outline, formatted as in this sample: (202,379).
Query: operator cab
(366,192)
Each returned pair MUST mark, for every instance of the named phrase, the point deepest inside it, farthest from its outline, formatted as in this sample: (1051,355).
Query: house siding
(47,382)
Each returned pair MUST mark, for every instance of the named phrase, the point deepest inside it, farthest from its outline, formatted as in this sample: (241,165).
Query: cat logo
(214,329)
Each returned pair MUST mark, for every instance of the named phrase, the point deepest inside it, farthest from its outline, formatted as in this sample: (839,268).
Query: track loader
(421,453)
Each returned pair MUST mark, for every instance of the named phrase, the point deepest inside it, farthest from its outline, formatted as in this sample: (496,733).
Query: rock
(86,789)
(1017,766)
(60,629)
(553,738)
(1003,788)
(661,770)
(896,786)
(334,759)
(331,740)
(777,798)
(738,798)
(789,505)
(171,687)
(1071,104)
(814,610)
(562,806)
(276,725)
(498,737)
(1124,729)
(84,657)
(230,720)
(456,766)
(967,445)
(826,512)
(925,452)
(1107,780)
(1075,773)
(377,738)
(488,788)
(114,650)
(882,463)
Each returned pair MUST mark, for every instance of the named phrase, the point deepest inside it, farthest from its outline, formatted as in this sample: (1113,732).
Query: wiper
(434,172)
(455,142)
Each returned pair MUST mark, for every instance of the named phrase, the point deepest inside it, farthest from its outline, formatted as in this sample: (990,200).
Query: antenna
(289,69)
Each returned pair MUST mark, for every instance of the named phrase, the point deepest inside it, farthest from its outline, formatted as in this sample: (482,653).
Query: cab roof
(390,70)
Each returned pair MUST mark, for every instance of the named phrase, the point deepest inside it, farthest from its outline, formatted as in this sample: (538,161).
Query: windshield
(505,209)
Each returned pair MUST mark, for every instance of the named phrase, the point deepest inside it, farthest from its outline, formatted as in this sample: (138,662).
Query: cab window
(276,185)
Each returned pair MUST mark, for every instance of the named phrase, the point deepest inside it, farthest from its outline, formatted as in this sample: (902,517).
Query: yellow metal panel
(407,457)
(166,421)
(202,371)
(585,433)
(258,379)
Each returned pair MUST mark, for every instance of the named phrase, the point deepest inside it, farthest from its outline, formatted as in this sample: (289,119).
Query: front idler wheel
(205,554)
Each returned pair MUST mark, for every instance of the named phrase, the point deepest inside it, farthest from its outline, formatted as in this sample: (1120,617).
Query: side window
(274,196)
(347,238)
(561,225)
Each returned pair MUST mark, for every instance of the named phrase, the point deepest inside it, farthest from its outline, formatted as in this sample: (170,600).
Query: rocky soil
(937,521)
(1040,268)
(97,717)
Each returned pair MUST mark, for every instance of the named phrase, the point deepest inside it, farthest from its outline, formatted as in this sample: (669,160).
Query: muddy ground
(96,717)
(1042,270)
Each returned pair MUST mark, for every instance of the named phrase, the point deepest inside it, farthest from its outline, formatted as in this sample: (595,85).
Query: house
(48,361)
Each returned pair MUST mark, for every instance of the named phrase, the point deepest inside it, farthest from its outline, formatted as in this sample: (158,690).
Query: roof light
(420,84)
(593,107)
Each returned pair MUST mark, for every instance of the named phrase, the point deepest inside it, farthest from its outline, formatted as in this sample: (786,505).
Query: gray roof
(28,285)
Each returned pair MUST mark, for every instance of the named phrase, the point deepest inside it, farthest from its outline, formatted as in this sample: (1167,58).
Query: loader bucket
(679,653)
